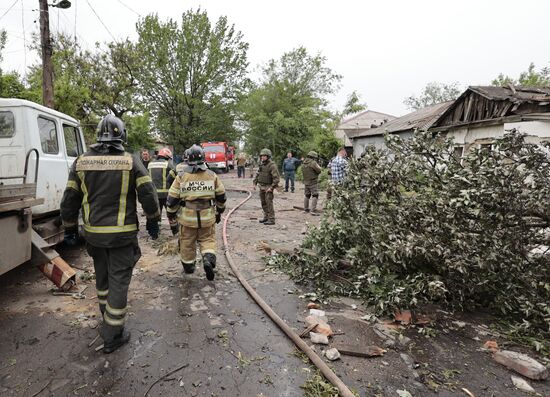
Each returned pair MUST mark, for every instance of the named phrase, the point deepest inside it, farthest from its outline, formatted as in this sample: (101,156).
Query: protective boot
(306,204)
(118,341)
(314,205)
(209,264)
(188,268)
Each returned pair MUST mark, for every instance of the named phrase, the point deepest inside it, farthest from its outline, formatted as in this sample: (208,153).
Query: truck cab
(37,148)
(25,125)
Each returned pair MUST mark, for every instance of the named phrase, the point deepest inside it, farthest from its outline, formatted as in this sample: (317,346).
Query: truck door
(12,145)
(74,146)
(52,172)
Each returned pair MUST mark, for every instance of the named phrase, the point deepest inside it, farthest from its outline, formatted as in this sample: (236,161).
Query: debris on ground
(317,312)
(360,351)
(491,345)
(332,354)
(522,364)
(317,338)
(322,326)
(522,384)
(312,305)
(404,317)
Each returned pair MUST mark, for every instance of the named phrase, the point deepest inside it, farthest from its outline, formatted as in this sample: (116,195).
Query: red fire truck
(217,155)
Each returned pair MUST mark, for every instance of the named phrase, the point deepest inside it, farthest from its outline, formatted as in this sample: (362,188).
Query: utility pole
(46,45)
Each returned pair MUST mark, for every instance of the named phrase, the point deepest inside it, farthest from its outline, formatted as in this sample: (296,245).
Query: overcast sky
(386,49)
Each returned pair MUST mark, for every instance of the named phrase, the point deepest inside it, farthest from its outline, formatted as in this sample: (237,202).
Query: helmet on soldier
(265,152)
(312,154)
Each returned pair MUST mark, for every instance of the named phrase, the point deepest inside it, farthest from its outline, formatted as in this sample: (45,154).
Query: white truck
(37,148)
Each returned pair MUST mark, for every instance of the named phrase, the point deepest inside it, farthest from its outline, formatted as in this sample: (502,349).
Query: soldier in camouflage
(311,171)
(267,178)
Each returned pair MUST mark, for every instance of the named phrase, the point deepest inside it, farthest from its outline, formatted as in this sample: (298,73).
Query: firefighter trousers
(205,237)
(113,270)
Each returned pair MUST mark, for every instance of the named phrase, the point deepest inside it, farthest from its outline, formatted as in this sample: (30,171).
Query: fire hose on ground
(315,359)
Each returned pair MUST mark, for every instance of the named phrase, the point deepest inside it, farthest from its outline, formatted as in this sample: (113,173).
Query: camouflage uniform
(268,180)
(311,171)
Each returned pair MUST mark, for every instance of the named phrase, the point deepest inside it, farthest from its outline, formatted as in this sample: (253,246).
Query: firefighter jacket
(268,175)
(163,173)
(200,195)
(180,169)
(311,171)
(104,182)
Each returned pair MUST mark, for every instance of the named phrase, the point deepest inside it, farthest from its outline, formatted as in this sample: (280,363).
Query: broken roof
(420,119)
(481,104)
(513,93)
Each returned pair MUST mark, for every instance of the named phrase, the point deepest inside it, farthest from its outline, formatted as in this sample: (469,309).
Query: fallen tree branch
(165,376)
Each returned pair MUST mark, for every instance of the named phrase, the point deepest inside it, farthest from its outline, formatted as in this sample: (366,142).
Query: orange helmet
(165,152)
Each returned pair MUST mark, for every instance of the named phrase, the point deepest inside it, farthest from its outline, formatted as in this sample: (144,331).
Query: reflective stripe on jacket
(105,183)
(162,173)
(197,194)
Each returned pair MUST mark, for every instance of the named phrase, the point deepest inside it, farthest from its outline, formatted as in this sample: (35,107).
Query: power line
(135,12)
(24,34)
(105,26)
(8,10)
(75,9)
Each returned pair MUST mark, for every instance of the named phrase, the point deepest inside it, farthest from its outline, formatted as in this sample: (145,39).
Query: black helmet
(195,158)
(111,130)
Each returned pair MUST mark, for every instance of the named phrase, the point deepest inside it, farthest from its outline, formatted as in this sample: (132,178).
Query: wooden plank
(20,204)
(359,351)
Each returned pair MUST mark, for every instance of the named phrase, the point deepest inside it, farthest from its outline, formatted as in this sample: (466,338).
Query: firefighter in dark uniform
(104,182)
(268,179)
(199,196)
(163,173)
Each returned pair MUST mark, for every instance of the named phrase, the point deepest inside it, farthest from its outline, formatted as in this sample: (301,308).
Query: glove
(71,237)
(218,217)
(173,225)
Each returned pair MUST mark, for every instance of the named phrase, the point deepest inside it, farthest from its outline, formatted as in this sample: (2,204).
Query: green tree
(529,78)
(287,109)
(139,131)
(433,93)
(11,85)
(191,76)
(353,104)
(90,84)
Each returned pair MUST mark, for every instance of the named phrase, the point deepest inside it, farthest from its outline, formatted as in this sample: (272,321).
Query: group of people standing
(267,178)
(106,182)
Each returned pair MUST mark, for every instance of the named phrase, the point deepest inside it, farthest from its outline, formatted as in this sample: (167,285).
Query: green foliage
(139,132)
(419,225)
(528,78)
(286,110)
(191,76)
(433,93)
(11,85)
(353,104)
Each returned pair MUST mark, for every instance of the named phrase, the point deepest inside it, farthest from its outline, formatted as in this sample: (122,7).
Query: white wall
(537,131)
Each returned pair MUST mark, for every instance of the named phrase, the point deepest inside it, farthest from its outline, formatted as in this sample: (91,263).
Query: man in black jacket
(104,182)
